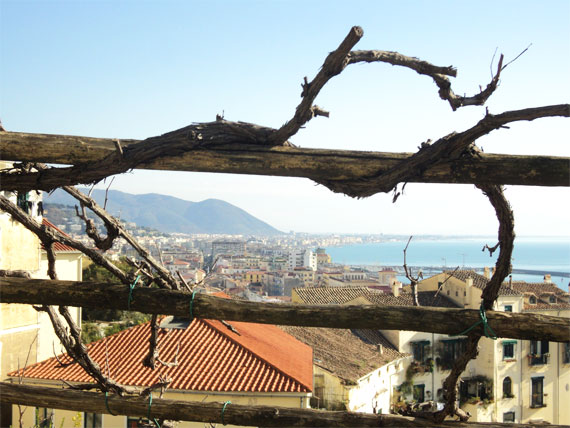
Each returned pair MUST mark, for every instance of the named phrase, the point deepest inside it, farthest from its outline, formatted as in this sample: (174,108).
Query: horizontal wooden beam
(169,302)
(323,166)
(234,414)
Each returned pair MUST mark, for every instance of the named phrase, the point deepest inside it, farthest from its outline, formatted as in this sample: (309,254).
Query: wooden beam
(169,302)
(235,414)
(323,166)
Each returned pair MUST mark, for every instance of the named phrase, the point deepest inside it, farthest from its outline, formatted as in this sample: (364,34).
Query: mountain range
(171,215)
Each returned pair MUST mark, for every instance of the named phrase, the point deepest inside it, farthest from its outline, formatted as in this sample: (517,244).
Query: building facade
(530,379)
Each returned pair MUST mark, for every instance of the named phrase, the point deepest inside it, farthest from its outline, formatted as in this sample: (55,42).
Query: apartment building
(301,258)
(530,379)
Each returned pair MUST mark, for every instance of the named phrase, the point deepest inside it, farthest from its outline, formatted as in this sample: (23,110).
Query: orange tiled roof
(57,246)
(342,295)
(543,291)
(211,358)
(480,281)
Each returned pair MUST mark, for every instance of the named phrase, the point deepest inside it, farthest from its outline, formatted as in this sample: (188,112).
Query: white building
(302,258)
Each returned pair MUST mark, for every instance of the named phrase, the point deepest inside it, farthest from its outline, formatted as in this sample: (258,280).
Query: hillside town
(374,371)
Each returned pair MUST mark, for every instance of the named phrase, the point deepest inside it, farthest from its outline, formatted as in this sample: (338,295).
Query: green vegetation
(90,332)
(101,322)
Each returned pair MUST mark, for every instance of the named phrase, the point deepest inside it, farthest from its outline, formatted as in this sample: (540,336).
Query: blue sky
(134,69)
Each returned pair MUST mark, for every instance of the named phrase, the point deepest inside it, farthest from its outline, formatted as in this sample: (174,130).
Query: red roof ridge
(224,330)
(58,246)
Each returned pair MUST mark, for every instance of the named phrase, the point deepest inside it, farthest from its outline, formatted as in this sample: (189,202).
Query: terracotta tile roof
(537,288)
(342,295)
(332,295)
(342,352)
(58,246)
(211,358)
(425,298)
(480,281)
(543,291)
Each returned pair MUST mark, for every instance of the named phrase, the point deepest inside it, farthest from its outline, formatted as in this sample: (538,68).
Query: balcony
(538,360)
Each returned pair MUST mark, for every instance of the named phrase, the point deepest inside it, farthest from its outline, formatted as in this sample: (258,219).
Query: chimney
(469,283)
(510,282)
(548,279)
(487,273)
(396,288)
(380,348)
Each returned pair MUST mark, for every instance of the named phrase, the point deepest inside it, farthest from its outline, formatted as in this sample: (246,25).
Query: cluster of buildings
(375,371)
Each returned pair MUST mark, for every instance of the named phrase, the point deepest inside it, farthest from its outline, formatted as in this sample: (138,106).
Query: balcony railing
(537,360)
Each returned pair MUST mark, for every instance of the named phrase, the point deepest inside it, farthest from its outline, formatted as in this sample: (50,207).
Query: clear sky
(134,69)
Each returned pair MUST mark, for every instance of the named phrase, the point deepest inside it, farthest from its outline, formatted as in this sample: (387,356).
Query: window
(509,349)
(537,392)
(44,417)
(566,353)
(419,393)
(93,420)
(538,352)
(509,417)
(22,200)
(507,388)
(508,308)
(479,387)
(532,300)
(552,299)
(451,350)
(420,350)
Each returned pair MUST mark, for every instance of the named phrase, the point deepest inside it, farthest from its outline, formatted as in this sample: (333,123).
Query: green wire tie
(131,288)
(224,409)
(149,407)
(107,403)
(192,305)
(486,327)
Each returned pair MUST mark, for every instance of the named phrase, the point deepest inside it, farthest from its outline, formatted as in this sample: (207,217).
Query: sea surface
(546,255)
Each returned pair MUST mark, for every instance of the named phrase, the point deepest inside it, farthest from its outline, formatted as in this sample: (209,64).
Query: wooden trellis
(243,148)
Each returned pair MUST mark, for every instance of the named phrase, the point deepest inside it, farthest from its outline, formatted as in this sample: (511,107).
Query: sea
(532,256)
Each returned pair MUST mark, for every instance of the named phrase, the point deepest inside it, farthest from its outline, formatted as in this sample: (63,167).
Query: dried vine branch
(115,229)
(450,147)
(335,62)
(490,294)
(49,235)
(413,279)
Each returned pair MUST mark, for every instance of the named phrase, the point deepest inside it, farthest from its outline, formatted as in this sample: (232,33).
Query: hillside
(171,215)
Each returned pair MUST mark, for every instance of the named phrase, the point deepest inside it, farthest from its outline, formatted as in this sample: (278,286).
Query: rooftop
(58,247)
(341,352)
(253,358)
(543,291)
(343,295)
(480,281)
